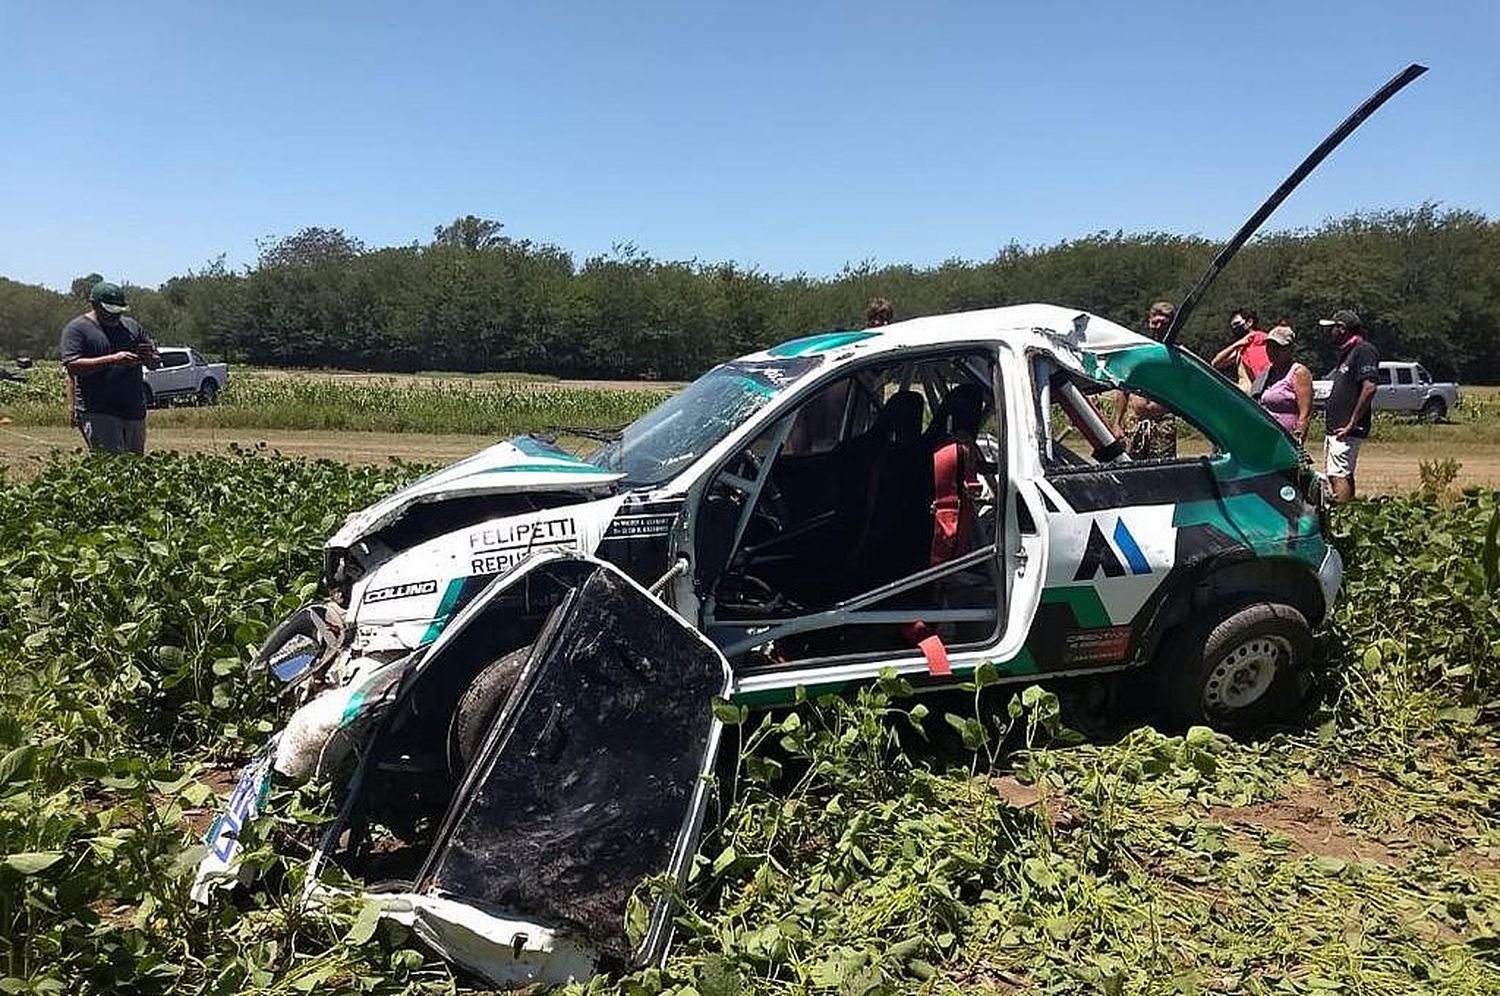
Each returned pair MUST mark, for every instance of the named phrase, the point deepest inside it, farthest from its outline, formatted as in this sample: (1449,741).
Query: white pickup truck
(184,374)
(1403,387)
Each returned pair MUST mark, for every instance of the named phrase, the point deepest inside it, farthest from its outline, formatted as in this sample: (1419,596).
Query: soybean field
(871,845)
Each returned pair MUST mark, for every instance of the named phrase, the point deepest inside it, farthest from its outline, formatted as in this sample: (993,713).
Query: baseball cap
(1282,335)
(110,297)
(1344,317)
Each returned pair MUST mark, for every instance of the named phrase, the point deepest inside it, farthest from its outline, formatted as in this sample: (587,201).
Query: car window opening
(871,507)
(1076,415)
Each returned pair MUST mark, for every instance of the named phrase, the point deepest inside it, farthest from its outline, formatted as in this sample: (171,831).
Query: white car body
(1083,565)
(184,373)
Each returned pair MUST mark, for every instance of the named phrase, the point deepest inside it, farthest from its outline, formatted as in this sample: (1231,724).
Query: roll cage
(748,630)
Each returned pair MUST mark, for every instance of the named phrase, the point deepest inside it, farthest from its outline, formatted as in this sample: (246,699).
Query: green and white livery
(928,497)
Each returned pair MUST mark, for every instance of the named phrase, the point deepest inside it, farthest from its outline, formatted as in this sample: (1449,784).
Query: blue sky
(144,140)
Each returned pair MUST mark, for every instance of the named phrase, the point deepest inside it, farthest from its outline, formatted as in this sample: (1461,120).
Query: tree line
(1426,281)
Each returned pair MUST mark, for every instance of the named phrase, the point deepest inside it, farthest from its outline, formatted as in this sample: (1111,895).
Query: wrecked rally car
(510,685)
(515,670)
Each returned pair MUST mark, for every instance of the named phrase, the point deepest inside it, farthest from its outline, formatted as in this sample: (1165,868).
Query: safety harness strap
(951,514)
(931,645)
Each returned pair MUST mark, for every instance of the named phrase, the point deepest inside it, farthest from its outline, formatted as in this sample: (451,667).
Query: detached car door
(590,779)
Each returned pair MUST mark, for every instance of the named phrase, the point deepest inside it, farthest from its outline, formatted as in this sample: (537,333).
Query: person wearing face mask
(1247,354)
(1349,398)
(104,352)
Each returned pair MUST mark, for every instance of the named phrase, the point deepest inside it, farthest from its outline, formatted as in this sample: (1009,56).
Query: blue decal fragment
(1131,549)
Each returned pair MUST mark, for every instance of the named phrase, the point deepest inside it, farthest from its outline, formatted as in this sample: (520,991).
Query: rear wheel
(1237,669)
(208,392)
(1434,410)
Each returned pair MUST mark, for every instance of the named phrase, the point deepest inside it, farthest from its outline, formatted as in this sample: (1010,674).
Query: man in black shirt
(1348,408)
(104,352)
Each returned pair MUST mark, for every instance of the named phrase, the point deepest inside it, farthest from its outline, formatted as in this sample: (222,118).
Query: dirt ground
(1384,467)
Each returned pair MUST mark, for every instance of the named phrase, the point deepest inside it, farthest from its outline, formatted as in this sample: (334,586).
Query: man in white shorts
(1349,397)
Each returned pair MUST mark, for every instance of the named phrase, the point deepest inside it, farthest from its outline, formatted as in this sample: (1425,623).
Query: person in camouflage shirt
(1152,432)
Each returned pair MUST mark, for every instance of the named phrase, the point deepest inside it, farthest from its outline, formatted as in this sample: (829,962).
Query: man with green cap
(104,352)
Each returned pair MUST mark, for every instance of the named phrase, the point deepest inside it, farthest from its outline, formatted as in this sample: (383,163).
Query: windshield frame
(771,378)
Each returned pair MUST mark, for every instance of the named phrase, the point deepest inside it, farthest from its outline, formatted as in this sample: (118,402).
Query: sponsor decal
(408,590)
(1098,555)
(1096,646)
(498,563)
(498,548)
(244,802)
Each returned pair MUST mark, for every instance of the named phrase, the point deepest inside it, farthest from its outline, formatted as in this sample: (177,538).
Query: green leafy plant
(864,844)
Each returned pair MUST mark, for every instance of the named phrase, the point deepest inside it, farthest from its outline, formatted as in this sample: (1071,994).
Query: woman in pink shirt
(1247,354)
(1285,387)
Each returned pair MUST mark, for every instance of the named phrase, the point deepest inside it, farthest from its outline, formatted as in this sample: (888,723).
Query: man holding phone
(104,352)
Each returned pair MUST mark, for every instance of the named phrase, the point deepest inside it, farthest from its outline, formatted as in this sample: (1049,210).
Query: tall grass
(376,404)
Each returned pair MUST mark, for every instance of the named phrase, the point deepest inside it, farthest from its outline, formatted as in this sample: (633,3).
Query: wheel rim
(1245,673)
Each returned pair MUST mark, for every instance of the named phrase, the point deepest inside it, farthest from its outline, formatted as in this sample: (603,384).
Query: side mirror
(308,637)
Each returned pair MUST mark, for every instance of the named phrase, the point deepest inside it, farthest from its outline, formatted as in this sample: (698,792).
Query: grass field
(336,401)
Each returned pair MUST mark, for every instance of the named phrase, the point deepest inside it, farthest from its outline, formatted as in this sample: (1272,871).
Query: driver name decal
(636,526)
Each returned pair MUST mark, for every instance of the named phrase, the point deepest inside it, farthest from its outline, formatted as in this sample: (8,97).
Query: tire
(208,392)
(1434,410)
(1238,669)
(479,705)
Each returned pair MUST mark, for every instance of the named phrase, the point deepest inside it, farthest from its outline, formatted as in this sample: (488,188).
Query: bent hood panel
(516,465)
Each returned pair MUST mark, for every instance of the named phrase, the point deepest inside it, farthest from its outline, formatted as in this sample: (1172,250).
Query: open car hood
(591,779)
(522,463)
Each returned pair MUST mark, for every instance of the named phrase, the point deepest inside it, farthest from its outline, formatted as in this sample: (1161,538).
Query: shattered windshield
(665,440)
